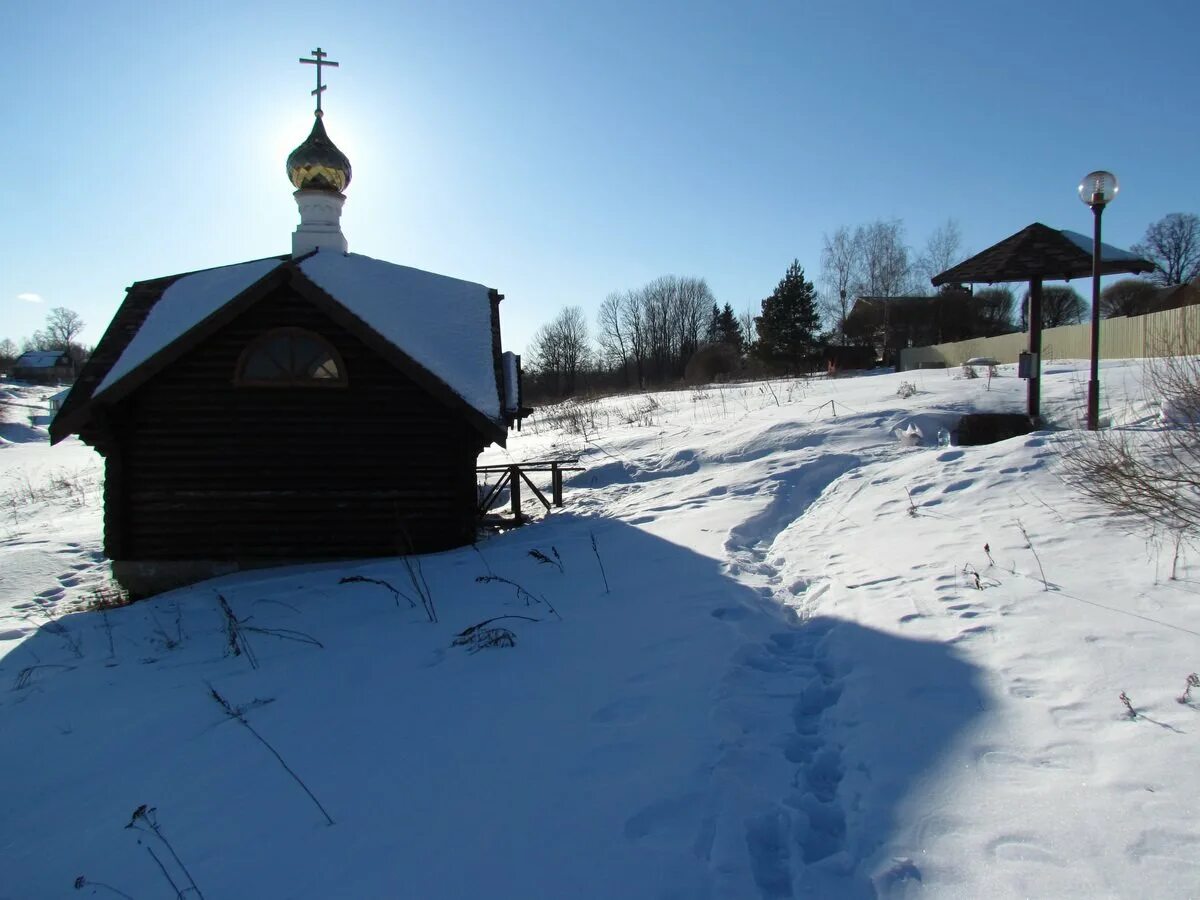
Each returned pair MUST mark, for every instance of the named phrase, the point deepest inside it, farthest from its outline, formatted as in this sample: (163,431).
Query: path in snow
(50,555)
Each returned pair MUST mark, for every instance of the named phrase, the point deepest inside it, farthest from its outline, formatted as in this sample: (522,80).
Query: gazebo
(1035,254)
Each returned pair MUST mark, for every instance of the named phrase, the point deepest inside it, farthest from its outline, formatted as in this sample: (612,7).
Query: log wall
(208,469)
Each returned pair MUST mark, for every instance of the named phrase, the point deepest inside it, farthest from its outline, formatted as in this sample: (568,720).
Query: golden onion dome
(317,164)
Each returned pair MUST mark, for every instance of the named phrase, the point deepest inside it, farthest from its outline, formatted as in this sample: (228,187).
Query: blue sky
(560,151)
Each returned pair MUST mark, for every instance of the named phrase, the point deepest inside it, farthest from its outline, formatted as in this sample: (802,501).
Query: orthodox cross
(318,62)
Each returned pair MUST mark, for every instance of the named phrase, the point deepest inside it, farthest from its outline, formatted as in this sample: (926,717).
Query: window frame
(290,332)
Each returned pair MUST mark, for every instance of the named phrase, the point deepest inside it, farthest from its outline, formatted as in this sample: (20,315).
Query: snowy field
(782,645)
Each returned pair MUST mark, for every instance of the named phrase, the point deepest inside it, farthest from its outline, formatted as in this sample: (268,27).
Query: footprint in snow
(1163,844)
(1024,688)
(768,841)
(622,712)
(667,819)
(730,613)
(968,633)
(1072,716)
(1022,848)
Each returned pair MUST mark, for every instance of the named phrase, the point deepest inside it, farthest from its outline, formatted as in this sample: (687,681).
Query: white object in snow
(1172,412)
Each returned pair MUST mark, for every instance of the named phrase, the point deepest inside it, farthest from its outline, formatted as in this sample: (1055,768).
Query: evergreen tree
(729,329)
(789,320)
(712,333)
(724,328)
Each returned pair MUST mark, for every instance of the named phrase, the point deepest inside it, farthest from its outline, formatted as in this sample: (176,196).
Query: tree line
(59,332)
(647,336)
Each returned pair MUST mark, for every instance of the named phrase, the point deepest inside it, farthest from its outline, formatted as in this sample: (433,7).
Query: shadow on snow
(678,736)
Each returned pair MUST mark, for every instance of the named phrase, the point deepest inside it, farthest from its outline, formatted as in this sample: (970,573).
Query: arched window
(290,357)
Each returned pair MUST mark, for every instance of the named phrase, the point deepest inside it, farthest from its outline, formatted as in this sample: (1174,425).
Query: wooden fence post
(514,490)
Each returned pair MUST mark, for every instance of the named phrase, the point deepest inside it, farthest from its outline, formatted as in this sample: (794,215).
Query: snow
(1107,251)
(442,323)
(512,381)
(184,305)
(39,359)
(50,526)
(776,675)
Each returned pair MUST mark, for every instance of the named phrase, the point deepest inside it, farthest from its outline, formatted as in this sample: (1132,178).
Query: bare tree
(62,327)
(634,318)
(692,302)
(669,322)
(611,332)
(840,259)
(1061,305)
(559,350)
(8,356)
(884,265)
(942,250)
(657,298)
(749,332)
(993,309)
(1127,297)
(1173,245)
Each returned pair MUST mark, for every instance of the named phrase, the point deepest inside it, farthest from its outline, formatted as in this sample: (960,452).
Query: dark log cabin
(321,405)
(286,425)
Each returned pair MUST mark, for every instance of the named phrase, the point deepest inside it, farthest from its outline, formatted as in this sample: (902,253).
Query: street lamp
(1097,190)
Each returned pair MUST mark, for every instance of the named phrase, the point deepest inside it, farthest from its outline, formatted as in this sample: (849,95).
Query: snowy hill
(771,657)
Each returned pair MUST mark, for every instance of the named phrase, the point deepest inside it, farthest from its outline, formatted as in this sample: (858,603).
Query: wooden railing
(511,476)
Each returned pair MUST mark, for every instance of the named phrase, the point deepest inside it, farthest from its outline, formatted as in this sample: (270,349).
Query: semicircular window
(291,357)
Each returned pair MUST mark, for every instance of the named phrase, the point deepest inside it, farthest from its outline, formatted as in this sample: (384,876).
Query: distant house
(319,405)
(55,401)
(43,367)
(891,324)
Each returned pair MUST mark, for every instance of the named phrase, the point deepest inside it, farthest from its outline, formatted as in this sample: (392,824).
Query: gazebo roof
(1038,251)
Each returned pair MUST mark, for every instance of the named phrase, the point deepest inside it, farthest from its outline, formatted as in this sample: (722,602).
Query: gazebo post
(1035,349)
(1034,254)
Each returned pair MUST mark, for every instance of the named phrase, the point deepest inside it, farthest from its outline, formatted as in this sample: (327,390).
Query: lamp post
(1096,190)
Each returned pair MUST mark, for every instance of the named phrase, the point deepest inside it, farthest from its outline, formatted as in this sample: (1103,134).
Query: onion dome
(317,164)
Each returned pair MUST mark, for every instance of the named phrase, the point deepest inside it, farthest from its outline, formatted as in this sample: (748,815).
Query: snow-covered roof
(443,324)
(39,359)
(183,306)
(1107,251)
